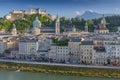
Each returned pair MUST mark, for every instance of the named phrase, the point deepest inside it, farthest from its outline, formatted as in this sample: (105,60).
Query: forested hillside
(25,23)
(112,22)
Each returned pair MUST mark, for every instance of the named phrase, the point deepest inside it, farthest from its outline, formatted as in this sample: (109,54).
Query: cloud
(90,10)
(117,9)
(77,12)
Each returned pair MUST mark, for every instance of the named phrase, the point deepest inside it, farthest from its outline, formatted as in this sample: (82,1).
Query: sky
(68,8)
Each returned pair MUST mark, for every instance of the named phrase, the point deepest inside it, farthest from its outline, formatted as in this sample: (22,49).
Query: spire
(103,21)
(57,26)
(57,18)
(104,17)
(14,30)
(86,26)
(74,29)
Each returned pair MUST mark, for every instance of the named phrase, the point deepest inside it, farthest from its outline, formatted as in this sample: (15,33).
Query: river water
(12,75)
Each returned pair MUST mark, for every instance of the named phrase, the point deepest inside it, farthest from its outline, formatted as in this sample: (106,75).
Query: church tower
(14,30)
(57,26)
(74,29)
(86,27)
(103,22)
(102,29)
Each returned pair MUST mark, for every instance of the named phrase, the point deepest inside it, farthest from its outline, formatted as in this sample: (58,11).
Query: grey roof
(102,49)
(45,29)
(87,43)
(75,40)
(28,40)
(72,39)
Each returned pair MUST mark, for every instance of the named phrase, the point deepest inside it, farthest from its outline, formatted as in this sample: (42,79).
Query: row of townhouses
(38,43)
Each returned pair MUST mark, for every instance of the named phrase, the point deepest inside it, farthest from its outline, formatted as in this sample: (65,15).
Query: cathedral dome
(37,23)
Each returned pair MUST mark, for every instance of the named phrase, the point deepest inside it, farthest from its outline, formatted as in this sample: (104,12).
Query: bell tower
(14,30)
(57,26)
(86,27)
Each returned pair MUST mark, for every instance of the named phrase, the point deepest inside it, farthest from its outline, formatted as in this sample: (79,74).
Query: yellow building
(36,31)
(87,52)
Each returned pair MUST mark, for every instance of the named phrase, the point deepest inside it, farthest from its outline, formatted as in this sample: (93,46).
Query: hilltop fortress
(19,14)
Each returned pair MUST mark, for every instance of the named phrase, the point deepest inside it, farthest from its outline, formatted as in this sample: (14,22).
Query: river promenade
(64,69)
(59,64)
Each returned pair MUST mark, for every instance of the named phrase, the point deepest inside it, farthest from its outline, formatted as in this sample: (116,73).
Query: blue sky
(68,8)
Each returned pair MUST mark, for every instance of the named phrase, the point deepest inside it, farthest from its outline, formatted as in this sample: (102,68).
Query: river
(12,75)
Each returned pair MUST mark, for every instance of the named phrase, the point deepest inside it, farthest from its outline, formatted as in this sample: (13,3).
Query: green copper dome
(36,23)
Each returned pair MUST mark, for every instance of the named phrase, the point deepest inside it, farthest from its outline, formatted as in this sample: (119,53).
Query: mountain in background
(92,15)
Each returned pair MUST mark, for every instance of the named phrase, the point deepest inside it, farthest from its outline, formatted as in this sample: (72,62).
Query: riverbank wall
(63,70)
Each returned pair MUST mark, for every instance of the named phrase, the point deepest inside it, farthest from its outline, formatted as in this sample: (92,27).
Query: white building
(113,50)
(15,14)
(74,49)
(62,54)
(113,53)
(28,47)
(100,57)
(2,47)
(52,53)
(8,16)
(59,53)
(35,11)
(118,30)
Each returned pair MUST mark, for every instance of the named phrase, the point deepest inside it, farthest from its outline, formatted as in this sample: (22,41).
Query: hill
(88,15)
(26,22)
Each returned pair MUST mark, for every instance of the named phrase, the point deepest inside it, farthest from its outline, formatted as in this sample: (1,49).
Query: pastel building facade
(28,47)
(59,53)
(87,52)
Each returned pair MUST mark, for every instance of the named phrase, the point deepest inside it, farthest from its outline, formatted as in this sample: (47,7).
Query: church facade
(38,29)
(102,29)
